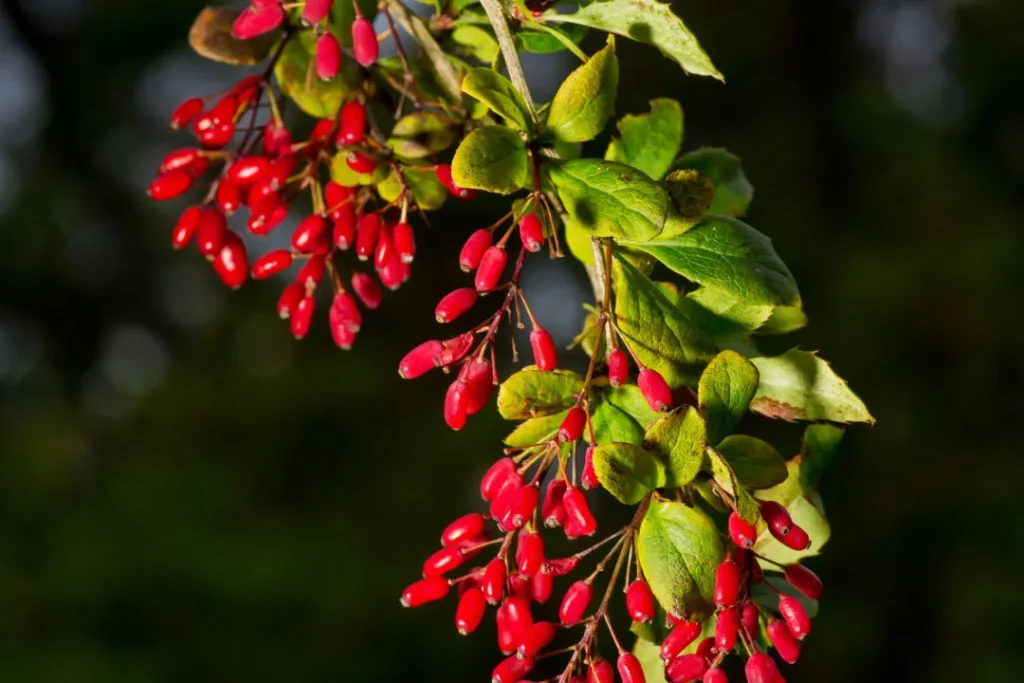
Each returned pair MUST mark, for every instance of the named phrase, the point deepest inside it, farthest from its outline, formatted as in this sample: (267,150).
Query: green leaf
(784,319)
(543,39)
(298,79)
(756,463)
(722,304)
(722,473)
(493,159)
(499,95)
(535,430)
(620,414)
(532,392)
(690,194)
(475,41)
(586,99)
(649,142)
(679,438)
(422,134)
(670,337)
(426,190)
(799,385)
(728,384)
(733,192)
(679,548)
(820,447)
(609,199)
(211,37)
(648,653)
(627,471)
(806,513)
(702,485)
(646,21)
(727,254)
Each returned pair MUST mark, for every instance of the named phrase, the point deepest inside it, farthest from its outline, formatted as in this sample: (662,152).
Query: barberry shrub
(711,563)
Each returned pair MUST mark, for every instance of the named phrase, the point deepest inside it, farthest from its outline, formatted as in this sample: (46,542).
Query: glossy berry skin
(795,616)
(497,475)
(257,19)
(777,518)
(655,390)
(180,160)
(783,640)
(315,11)
(312,273)
(231,263)
(573,425)
(542,585)
(170,185)
(522,507)
(185,112)
(404,242)
(589,478)
(302,317)
(342,335)
(337,197)
(600,671)
(367,233)
(343,234)
(760,668)
(531,232)
(511,670)
(575,602)
(560,566)
(368,290)
(364,42)
(360,161)
(470,611)
(804,580)
(629,668)
(492,265)
(425,590)
(728,577)
(384,252)
(684,633)
(328,56)
(686,668)
(715,675)
(308,232)
(454,304)
(532,560)
(796,539)
(536,638)
(640,602)
(345,311)
(577,511)
(186,226)
(271,263)
(211,233)
(618,368)
(545,355)
(552,510)
(352,123)
(493,582)
(444,174)
(443,561)
(289,300)
(473,250)
(726,628)
(248,169)
(229,196)
(741,532)
(750,618)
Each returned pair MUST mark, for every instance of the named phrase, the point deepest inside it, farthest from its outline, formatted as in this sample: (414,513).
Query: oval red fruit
(364,42)
(454,304)
(618,368)
(532,559)
(211,233)
(231,263)
(492,265)
(686,668)
(308,232)
(474,248)
(328,56)
(271,263)
(784,641)
(315,11)
(353,123)
(443,561)
(715,675)
(511,670)
(760,668)
(444,174)
(575,602)
(367,289)
(405,242)
(629,668)
(726,628)
(470,611)
(741,532)
(495,478)
(425,590)
(257,19)
(180,159)
(545,355)
(248,169)
(185,112)
(577,511)
(229,196)
(367,234)
(493,583)
(777,518)
(727,583)
(360,162)
(542,585)
(640,602)
(531,232)
(573,424)
(552,510)
(186,226)
(536,638)
(684,633)
(804,580)
(462,528)
(302,316)
(600,671)
(312,273)
(795,615)
(170,185)
(796,539)
(655,390)
(344,232)
(589,478)
(289,299)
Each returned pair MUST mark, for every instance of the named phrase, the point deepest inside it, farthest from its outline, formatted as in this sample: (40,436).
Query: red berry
(517,616)
(545,355)
(308,232)
(589,478)
(686,668)
(532,560)
(405,242)
(384,252)
(328,56)
(259,191)
(337,197)
(364,42)
(742,532)
(345,311)
(804,580)
(353,123)
(655,390)
(276,137)
(479,378)
(640,602)
(512,669)
(474,248)
(211,233)
(443,561)
(420,360)
(795,615)
(455,304)
(425,590)
(784,641)
(229,196)
(727,583)
(531,232)
(560,566)
(444,174)
(367,289)
(360,161)
(750,617)
(575,603)
(271,263)
(467,526)
(726,628)
(493,583)
(180,160)
(289,300)
(796,539)
(715,675)
(267,215)
(684,633)
(492,265)
(522,506)
(470,611)
(367,233)
(618,368)
(302,316)
(170,185)
(536,638)
(542,585)
(323,134)
(316,11)
(231,263)
(552,511)
(455,406)
(344,231)
(343,336)
(761,668)
(247,170)
(577,510)
(258,19)
(776,517)
(217,136)
(185,112)
(573,424)
(629,668)
(496,477)
(312,273)
(394,273)
(600,671)
(706,648)
(454,349)
(186,226)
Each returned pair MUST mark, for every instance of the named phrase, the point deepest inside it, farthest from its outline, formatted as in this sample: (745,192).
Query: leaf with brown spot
(211,38)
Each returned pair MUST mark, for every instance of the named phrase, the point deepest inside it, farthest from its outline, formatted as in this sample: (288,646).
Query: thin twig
(496,14)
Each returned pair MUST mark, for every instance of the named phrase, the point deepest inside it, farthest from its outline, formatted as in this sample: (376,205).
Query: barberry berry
(328,56)
(425,590)
(686,668)
(573,425)
(271,263)
(315,11)
(575,602)
(470,611)
(231,263)
(600,671)
(727,583)
(655,389)
(454,304)
(783,640)
(185,112)
(545,355)
(289,299)
(367,289)
(302,316)
(684,633)
(492,265)
(741,532)
(531,232)
(804,580)
(760,668)
(364,42)
(577,513)
(308,232)
(443,561)
(186,226)
(618,368)
(352,123)
(795,616)
(640,602)
(257,19)
(726,628)
(170,185)
(630,670)
(588,479)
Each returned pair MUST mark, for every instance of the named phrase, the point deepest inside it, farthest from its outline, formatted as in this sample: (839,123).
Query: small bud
(784,641)
(726,628)
(328,56)
(760,668)
(575,603)
(352,123)
(655,390)
(170,185)
(795,615)
(572,426)
(531,232)
(302,317)
(629,668)
(185,112)
(364,42)
(684,633)
(444,174)
(289,300)
(231,263)
(271,263)
(686,668)
(545,355)
(474,248)
(804,580)
(470,611)
(741,532)
(589,478)
(618,368)
(727,583)
(492,265)
(425,590)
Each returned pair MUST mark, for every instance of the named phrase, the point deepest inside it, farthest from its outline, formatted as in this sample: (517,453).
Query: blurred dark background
(188,494)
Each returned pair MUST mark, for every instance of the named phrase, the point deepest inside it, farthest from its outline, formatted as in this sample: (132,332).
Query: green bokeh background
(187,494)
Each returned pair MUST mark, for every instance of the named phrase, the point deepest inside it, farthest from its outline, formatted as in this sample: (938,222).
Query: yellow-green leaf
(298,79)
(211,38)
(799,385)
(733,192)
(756,463)
(585,101)
(627,471)
(499,95)
(492,159)
(650,141)
(532,392)
(679,438)
(726,387)
(422,134)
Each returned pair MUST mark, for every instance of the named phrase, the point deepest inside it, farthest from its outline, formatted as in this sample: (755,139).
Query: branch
(421,34)
(496,14)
